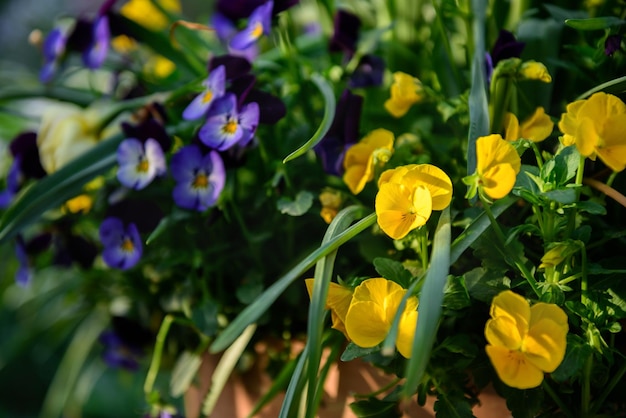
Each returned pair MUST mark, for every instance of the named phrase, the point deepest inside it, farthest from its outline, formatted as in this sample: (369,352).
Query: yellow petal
(492,150)
(509,304)
(498,181)
(513,368)
(397,108)
(379,138)
(355,178)
(406,327)
(399,212)
(435,180)
(546,341)
(587,137)
(538,127)
(338,301)
(503,332)
(511,127)
(612,150)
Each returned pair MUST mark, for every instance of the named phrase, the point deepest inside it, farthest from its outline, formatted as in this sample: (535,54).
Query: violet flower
(53,49)
(214,88)
(612,44)
(259,23)
(346,33)
(226,126)
(95,54)
(506,46)
(342,134)
(139,163)
(117,353)
(14,179)
(122,243)
(26,165)
(368,73)
(199,178)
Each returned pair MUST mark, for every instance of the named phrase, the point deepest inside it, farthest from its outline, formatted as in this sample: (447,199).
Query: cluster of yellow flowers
(365,314)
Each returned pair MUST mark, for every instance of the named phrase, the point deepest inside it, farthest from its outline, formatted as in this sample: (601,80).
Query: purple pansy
(612,44)
(214,88)
(506,46)
(26,165)
(259,23)
(122,243)
(199,178)
(343,133)
(346,33)
(368,73)
(53,49)
(14,179)
(139,162)
(95,54)
(117,353)
(226,126)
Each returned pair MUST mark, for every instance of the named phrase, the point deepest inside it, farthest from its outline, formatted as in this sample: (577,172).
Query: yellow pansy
(597,126)
(148,15)
(407,196)
(361,158)
(338,301)
(525,342)
(536,128)
(372,310)
(533,70)
(497,165)
(331,201)
(406,90)
(159,67)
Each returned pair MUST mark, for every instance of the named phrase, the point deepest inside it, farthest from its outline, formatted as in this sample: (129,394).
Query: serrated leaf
(453,405)
(455,293)
(523,403)
(576,355)
(393,270)
(595,23)
(353,351)
(183,373)
(297,207)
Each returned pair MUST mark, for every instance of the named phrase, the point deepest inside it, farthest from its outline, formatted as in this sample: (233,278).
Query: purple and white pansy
(122,243)
(139,162)
(214,88)
(226,126)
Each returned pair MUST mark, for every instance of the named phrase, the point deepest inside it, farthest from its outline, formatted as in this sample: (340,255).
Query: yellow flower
(406,90)
(407,196)
(149,16)
(159,67)
(525,342)
(331,203)
(597,126)
(361,158)
(372,310)
(68,131)
(79,204)
(536,128)
(533,70)
(338,301)
(497,165)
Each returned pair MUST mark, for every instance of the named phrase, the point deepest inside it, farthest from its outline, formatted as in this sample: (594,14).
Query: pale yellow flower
(597,126)
(372,310)
(533,70)
(536,128)
(497,165)
(525,342)
(331,201)
(406,90)
(361,158)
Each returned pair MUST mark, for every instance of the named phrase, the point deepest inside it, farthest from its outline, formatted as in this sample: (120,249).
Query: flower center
(257,30)
(201,181)
(230,127)
(127,245)
(207,96)
(143,166)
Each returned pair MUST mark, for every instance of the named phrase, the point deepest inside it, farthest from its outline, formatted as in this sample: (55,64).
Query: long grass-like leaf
(615,86)
(429,309)
(225,367)
(294,390)
(327,120)
(253,311)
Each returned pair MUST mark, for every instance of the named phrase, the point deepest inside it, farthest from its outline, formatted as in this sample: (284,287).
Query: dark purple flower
(53,50)
(368,73)
(259,23)
(122,243)
(139,163)
(199,178)
(151,124)
(343,133)
(506,46)
(612,44)
(214,88)
(143,213)
(24,147)
(95,54)
(226,125)
(118,353)
(24,273)
(14,180)
(241,9)
(346,33)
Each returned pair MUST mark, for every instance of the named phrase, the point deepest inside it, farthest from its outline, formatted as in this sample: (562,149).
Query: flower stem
(157,354)
(586,389)
(518,263)
(617,377)
(555,397)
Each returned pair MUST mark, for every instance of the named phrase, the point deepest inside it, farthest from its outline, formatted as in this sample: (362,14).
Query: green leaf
(456,295)
(204,317)
(183,373)
(523,403)
(375,408)
(297,207)
(453,405)
(329,114)
(353,351)
(483,284)
(393,270)
(595,23)
(590,207)
(615,86)
(429,310)
(563,196)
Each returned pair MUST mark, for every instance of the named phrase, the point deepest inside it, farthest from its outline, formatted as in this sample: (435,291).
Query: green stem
(157,354)
(516,261)
(578,182)
(583,282)
(555,397)
(611,178)
(537,155)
